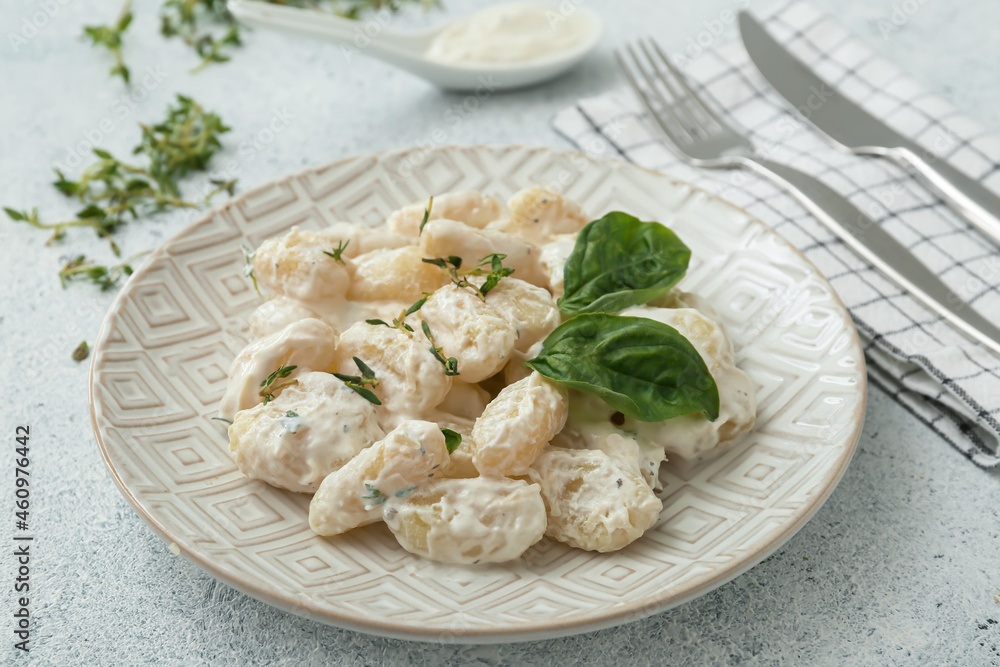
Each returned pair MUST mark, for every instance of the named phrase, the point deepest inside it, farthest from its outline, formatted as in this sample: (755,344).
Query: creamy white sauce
(511,33)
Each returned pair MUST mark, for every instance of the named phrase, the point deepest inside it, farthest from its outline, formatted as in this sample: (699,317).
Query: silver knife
(854,129)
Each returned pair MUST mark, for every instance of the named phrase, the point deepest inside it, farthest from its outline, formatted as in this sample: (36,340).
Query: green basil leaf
(620,261)
(641,367)
(452,439)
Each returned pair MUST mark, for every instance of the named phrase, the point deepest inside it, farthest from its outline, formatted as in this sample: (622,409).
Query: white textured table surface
(901,566)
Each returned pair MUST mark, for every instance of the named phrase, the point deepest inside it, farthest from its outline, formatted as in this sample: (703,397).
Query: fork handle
(878,248)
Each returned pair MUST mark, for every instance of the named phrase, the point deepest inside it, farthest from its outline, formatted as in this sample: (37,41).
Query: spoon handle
(371,36)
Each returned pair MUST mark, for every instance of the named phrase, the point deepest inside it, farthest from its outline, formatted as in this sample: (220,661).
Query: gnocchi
(305,344)
(313,428)
(468,521)
(295,265)
(539,214)
(594,501)
(516,425)
(471,330)
(410,379)
(353,494)
(386,376)
(471,207)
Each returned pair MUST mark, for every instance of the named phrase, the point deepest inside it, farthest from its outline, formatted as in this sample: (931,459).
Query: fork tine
(677,135)
(691,95)
(691,123)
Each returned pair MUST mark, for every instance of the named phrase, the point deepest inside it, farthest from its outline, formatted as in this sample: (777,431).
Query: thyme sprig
(338,252)
(497,272)
(248,255)
(187,18)
(452,266)
(112,191)
(105,277)
(270,384)
(400,321)
(360,383)
(397,323)
(450,363)
(110,37)
(98,224)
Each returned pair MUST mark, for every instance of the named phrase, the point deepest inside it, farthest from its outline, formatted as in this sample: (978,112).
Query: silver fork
(702,138)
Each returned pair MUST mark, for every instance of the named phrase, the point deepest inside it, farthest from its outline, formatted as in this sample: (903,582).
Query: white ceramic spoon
(406,49)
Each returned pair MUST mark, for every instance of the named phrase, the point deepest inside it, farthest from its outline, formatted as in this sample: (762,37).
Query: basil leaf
(641,367)
(620,261)
(452,439)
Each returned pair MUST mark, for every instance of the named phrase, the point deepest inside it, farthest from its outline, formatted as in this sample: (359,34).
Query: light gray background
(900,567)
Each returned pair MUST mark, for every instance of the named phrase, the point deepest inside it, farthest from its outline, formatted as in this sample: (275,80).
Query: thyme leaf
(417,305)
(248,267)
(450,363)
(376,496)
(360,383)
(81,352)
(427,215)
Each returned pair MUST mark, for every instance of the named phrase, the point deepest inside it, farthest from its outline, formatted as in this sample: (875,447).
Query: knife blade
(856,130)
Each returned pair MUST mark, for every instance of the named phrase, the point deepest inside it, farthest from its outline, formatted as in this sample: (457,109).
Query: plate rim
(610,617)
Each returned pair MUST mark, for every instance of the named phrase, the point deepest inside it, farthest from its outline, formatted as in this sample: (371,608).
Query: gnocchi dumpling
(552,258)
(410,380)
(469,329)
(693,436)
(308,344)
(311,429)
(473,208)
(295,265)
(540,213)
(517,425)
(353,495)
(468,521)
(531,310)
(277,313)
(392,273)
(594,501)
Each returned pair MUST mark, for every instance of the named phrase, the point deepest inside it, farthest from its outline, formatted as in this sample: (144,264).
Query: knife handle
(878,248)
(974,201)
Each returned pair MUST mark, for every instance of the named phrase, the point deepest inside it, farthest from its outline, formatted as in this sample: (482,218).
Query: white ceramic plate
(160,364)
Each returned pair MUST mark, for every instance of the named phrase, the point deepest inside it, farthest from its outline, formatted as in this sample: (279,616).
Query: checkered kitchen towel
(950,383)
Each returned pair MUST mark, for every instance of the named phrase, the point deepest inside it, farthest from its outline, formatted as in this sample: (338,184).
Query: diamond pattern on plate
(159,371)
